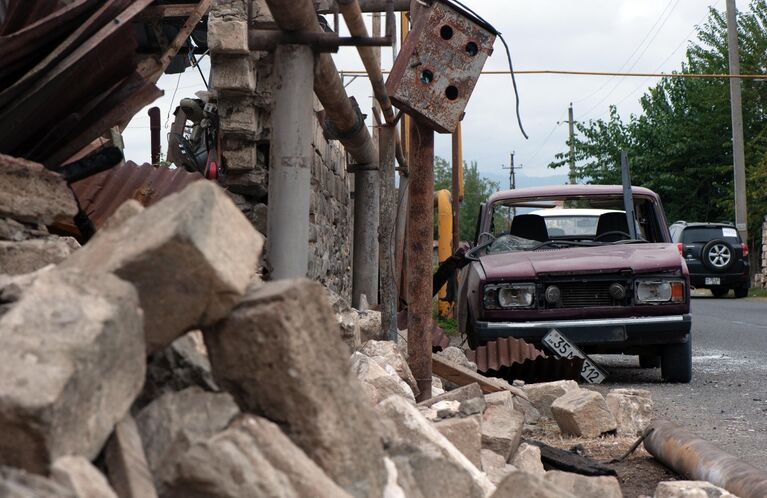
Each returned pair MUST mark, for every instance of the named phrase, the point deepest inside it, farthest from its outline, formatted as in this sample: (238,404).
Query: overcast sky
(583,35)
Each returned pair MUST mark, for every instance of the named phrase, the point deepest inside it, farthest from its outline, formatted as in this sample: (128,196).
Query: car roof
(573,212)
(568,190)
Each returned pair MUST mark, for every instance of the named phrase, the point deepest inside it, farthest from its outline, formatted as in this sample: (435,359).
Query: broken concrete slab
(31,193)
(26,256)
(583,413)
(81,477)
(543,394)
(632,410)
(377,382)
(228,29)
(495,466)
(283,334)
(428,464)
(191,264)
(456,355)
(690,489)
(391,354)
(71,363)
(126,211)
(528,459)
(126,464)
(465,434)
(501,425)
(520,483)
(15,483)
(462,395)
(585,486)
(171,424)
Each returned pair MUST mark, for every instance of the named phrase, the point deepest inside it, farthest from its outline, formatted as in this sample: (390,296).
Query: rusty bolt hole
(446,32)
(427,76)
(451,92)
(472,49)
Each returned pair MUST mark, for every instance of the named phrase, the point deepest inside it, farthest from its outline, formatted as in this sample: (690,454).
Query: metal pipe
(444,241)
(457,186)
(420,236)
(291,161)
(371,6)
(386,229)
(698,459)
(154,130)
(366,220)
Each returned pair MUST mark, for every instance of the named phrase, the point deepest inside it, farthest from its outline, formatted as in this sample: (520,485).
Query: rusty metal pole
(420,237)
(457,188)
(698,459)
(291,161)
(154,129)
(386,232)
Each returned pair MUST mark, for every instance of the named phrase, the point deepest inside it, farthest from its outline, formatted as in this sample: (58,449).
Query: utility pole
(738,155)
(512,172)
(571,126)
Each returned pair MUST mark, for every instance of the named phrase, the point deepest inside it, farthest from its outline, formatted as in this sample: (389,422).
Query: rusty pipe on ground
(699,459)
(299,15)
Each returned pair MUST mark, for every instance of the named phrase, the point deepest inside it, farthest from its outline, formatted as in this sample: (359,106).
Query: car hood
(637,258)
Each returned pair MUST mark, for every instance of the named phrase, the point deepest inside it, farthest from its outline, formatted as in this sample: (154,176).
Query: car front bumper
(604,334)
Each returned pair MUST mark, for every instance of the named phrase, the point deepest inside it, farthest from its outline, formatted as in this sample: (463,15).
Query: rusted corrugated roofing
(101,194)
(514,359)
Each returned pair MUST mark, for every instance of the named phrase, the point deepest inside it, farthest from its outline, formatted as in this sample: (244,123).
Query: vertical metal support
(420,236)
(366,220)
(386,232)
(154,129)
(457,186)
(628,196)
(571,126)
(738,155)
(291,161)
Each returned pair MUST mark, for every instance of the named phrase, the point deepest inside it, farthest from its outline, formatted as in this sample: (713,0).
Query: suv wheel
(718,255)
(676,362)
(719,291)
(741,292)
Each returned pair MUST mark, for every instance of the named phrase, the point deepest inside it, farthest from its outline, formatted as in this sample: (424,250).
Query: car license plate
(562,347)
(713,281)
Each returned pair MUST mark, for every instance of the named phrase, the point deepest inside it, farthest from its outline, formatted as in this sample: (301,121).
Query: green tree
(476,190)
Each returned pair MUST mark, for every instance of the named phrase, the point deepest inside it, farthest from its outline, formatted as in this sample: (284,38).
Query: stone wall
(760,279)
(242,84)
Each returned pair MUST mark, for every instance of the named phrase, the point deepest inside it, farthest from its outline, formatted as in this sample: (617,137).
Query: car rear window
(704,234)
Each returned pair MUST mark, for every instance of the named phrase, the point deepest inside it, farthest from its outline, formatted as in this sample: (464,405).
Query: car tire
(471,335)
(741,292)
(676,362)
(649,361)
(719,291)
(718,255)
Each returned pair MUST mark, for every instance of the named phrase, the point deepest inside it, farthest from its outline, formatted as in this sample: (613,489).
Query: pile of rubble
(154,361)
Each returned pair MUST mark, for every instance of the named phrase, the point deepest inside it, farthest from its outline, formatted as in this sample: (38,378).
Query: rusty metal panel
(514,359)
(439,65)
(101,195)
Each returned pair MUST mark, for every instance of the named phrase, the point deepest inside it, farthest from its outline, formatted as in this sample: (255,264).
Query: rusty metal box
(439,64)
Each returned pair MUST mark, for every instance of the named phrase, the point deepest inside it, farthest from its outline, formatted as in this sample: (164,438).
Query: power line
(567,72)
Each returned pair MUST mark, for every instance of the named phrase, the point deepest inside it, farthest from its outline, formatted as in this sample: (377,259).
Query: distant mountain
(524,180)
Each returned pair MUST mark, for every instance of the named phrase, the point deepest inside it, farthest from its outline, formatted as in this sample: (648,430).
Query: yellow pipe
(445,241)
(404,30)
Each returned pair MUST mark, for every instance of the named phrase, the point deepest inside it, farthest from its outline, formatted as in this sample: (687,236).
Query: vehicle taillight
(745,249)
(680,248)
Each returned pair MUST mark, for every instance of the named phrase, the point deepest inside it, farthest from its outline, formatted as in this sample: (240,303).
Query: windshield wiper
(562,242)
(630,241)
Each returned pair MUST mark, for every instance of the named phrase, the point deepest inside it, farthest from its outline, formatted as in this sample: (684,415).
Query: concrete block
(583,413)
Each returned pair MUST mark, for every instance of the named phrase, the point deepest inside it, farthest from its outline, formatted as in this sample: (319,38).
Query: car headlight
(660,291)
(503,296)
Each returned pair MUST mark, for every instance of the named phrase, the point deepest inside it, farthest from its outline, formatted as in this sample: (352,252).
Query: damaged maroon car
(569,258)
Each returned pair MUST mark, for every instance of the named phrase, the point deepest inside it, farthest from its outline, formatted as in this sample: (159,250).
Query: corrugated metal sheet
(514,359)
(101,195)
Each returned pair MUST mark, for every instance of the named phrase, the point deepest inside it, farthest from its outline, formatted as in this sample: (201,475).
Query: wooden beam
(162,11)
(462,376)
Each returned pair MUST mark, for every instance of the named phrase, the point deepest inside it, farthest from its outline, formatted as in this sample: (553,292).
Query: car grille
(586,294)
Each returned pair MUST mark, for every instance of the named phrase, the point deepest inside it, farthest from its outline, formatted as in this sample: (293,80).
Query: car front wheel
(676,362)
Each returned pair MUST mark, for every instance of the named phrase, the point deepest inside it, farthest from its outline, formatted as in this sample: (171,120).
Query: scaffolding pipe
(154,128)
(372,6)
(291,161)
(698,459)
(457,186)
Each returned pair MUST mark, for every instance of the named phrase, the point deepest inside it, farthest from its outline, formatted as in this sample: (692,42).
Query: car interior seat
(529,226)
(612,222)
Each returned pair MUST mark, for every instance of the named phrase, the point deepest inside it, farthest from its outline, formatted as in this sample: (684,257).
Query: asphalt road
(726,402)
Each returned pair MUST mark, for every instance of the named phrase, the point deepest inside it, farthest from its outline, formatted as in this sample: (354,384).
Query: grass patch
(757,292)
(449,325)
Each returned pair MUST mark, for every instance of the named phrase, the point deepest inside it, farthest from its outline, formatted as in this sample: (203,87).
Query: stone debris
(465,434)
(15,483)
(428,464)
(81,477)
(456,355)
(495,466)
(377,382)
(283,335)
(370,325)
(632,410)
(194,260)
(387,353)
(348,322)
(518,484)
(583,413)
(501,425)
(31,193)
(71,363)
(528,459)
(543,394)
(26,256)
(585,486)
(690,489)
(127,468)
(446,409)
(126,211)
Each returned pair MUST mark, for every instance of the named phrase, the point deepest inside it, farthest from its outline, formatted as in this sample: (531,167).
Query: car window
(694,235)
(562,226)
